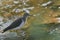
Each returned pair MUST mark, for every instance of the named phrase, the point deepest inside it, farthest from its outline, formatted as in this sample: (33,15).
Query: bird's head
(27,12)
(26,15)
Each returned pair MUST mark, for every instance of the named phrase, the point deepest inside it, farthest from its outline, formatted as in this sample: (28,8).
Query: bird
(17,24)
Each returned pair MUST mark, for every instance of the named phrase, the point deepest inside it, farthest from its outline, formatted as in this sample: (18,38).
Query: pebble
(15,2)
(47,3)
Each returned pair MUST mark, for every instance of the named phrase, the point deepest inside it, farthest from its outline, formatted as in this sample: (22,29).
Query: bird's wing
(15,24)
